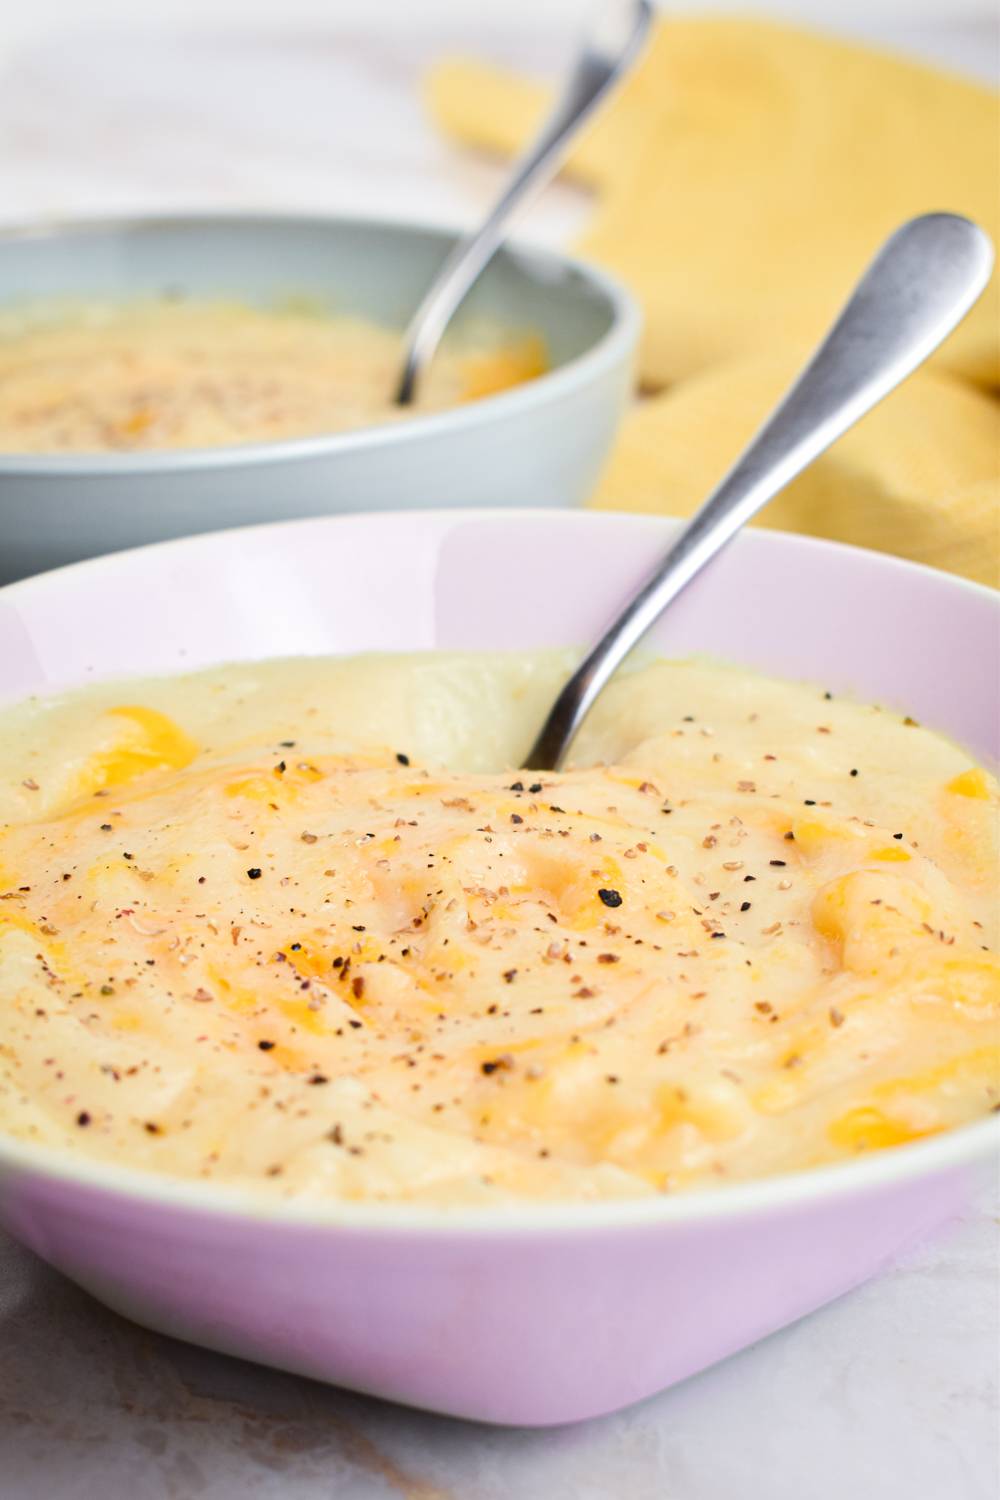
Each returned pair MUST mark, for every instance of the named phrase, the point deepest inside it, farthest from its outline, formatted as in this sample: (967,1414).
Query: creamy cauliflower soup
(298,927)
(187,374)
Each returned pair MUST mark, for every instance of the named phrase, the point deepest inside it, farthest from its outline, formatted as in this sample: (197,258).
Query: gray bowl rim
(615,345)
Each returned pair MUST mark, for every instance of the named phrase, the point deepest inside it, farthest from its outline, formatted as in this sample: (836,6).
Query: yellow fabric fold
(744,176)
(746,173)
(916,477)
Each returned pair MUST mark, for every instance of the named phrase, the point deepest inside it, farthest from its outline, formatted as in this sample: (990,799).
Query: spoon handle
(606,54)
(922,282)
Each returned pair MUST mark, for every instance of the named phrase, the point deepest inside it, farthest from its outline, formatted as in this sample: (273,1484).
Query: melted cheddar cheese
(299,925)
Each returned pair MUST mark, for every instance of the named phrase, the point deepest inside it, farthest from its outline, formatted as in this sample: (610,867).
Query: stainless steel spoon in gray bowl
(611,46)
(920,285)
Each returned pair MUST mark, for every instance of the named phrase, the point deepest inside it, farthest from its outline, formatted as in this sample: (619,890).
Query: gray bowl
(541,443)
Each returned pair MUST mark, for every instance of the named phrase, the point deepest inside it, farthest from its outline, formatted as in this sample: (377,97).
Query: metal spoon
(610,48)
(922,282)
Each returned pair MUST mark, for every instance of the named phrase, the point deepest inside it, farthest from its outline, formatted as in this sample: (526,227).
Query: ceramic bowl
(540,443)
(546,1313)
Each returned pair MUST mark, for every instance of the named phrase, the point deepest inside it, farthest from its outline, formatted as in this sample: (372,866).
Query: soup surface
(167,374)
(297,926)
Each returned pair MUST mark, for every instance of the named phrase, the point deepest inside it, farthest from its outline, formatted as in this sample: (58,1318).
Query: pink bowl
(549,1313)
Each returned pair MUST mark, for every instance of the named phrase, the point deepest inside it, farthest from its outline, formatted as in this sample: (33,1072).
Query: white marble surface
(888,1394)
(327,116)
(891,1393)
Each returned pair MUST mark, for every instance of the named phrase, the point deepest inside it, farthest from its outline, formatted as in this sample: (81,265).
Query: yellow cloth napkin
(744,176)
(916,477)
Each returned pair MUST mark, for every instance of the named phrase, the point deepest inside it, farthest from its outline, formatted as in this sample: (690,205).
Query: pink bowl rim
(566,515)
(951,1151)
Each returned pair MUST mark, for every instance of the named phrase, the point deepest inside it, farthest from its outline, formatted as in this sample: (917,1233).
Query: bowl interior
(377,270)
